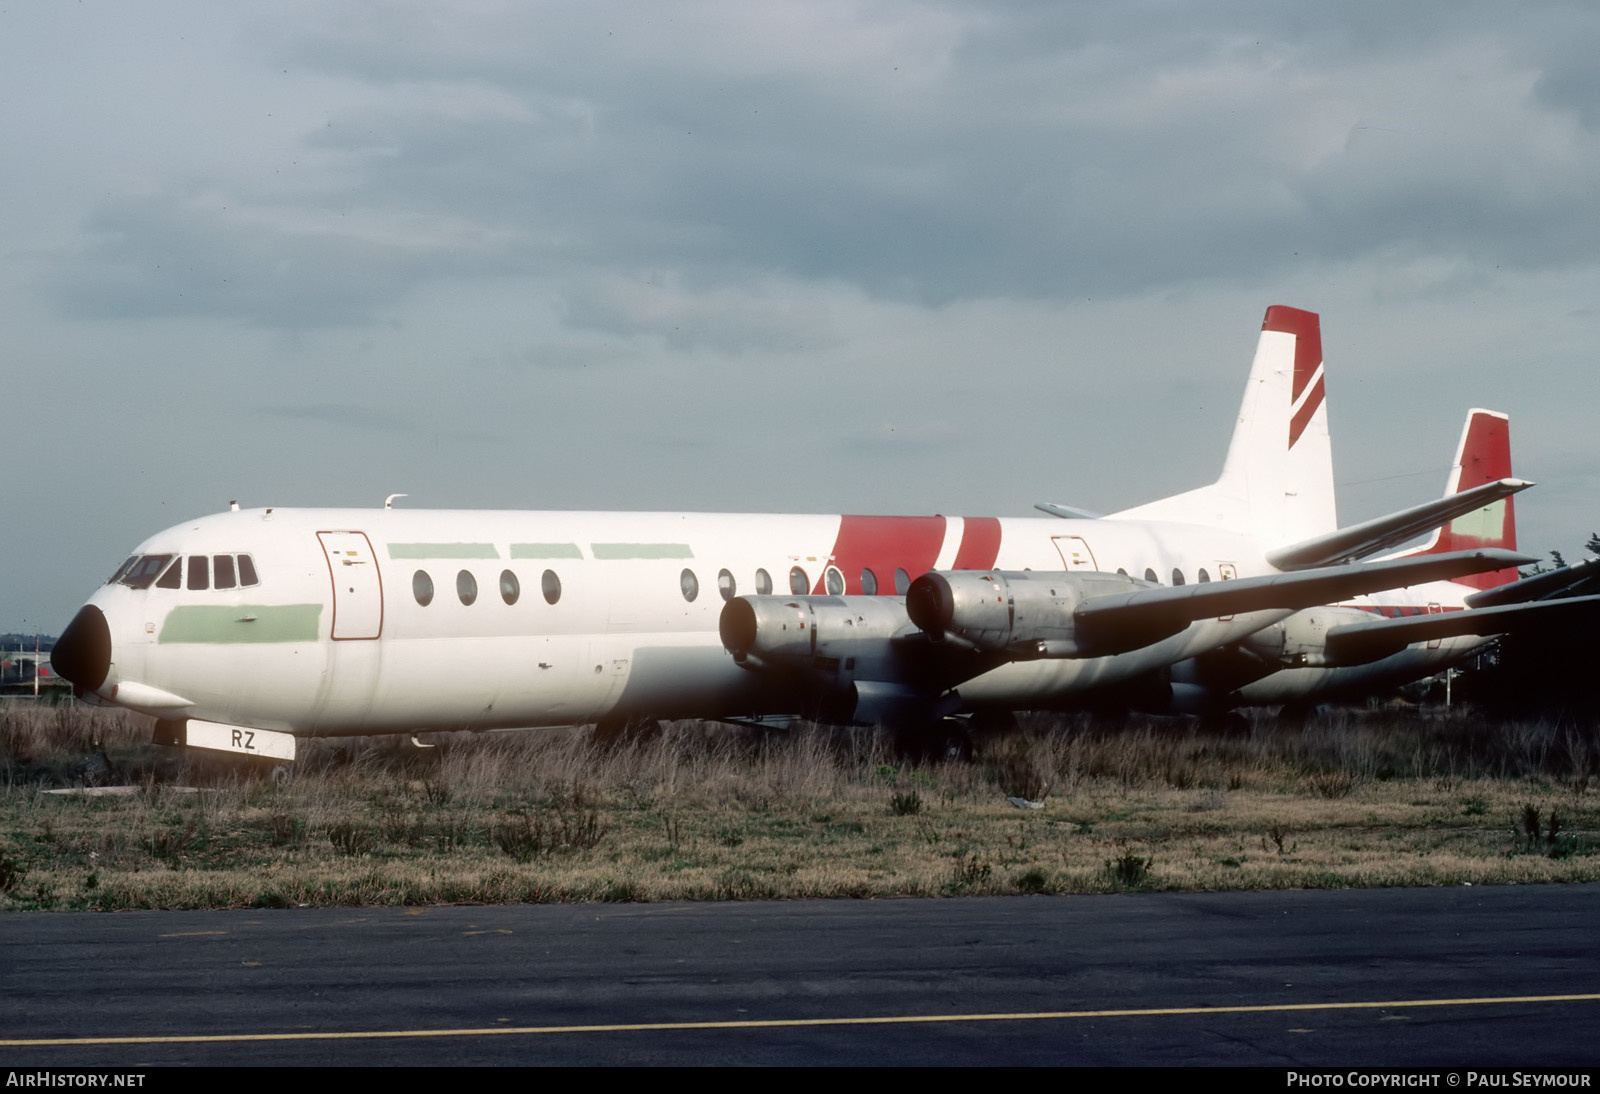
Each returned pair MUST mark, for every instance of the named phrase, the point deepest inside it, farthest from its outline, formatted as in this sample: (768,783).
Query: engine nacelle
(1301,641)
(1022,614)
(796,631)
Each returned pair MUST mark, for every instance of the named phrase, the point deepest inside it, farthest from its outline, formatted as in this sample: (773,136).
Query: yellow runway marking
(791,1023)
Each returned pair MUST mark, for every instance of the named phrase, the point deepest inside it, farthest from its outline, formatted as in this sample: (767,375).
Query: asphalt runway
(1422,977)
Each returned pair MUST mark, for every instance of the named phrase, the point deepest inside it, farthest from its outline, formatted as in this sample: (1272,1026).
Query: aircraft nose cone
(83,652)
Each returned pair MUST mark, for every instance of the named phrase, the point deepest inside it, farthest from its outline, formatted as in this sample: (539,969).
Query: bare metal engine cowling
(845,653)
(1022,614)
(798,630)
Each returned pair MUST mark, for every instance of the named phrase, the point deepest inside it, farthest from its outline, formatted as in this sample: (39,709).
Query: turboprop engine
(797,631)
(846,653)
(1301,641)
(1021,614)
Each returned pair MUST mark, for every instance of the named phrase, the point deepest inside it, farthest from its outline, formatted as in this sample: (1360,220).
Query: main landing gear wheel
(946,741)
(1228,723)
(614,732)
(1295,715)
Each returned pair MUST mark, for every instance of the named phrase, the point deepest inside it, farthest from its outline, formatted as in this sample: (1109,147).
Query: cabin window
(124,568)
(222,569)
(799,583)
(422,587)
(550,585)
(1150,576)
(1177,577)
(140,575)
(199,572)
(902,582)
(466,587)
(726,585)
(510,588)
(1204,577)
(869,583)
(247,571)
(689,585)
(833,581)
(763,583)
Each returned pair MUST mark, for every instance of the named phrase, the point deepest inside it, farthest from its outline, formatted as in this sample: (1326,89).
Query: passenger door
(357,585)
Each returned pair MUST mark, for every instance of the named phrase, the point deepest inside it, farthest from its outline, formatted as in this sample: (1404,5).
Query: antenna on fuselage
(388,502)
(233,505)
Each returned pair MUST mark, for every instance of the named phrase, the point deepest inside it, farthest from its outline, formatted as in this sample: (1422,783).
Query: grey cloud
(721,319)
(342,415)
(921,152)
(186,257)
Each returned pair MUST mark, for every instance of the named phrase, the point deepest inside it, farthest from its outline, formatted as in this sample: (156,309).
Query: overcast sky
(818,257)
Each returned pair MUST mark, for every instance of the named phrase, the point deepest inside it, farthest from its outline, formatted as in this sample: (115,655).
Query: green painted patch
(1486,523)
(640,550)
(443,550)
(230,623)
(545,550)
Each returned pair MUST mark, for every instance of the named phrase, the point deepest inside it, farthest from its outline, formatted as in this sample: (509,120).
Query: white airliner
(246,629)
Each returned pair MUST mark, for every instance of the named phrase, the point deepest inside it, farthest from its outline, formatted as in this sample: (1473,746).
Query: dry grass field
(712,813)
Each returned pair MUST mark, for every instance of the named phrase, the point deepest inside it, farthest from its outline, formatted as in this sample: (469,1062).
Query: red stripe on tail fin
(1484,456)
(1306,392)
(1307,330)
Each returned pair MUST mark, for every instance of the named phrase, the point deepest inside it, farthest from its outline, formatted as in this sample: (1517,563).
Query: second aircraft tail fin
(1482,456)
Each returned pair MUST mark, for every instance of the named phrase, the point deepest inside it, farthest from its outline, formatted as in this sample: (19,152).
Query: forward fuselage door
(357,585)
(1075,553)
(1226,571)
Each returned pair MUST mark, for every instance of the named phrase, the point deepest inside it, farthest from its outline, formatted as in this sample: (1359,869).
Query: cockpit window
(124,568)
(173,578)
(199,572)
(247,571)
(144,571)
(222,570)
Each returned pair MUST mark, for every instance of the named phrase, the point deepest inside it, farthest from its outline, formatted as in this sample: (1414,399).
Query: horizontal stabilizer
(1066,512)
(1372,536)
(1568,581)
(1119,622)
(1362,643)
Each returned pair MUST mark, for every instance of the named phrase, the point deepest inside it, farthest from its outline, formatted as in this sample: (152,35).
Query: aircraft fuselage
(380,620)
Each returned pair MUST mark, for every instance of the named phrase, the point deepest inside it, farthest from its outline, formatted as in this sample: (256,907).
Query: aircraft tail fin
(1277,480)
(1483,456)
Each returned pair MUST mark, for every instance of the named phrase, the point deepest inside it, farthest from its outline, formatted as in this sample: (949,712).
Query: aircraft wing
(1119,622)
(1567,581)
(1361,643)
(1372,536)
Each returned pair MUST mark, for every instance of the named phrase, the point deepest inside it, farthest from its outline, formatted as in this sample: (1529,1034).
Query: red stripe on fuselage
(980,544)
(886,544)
(883,544)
